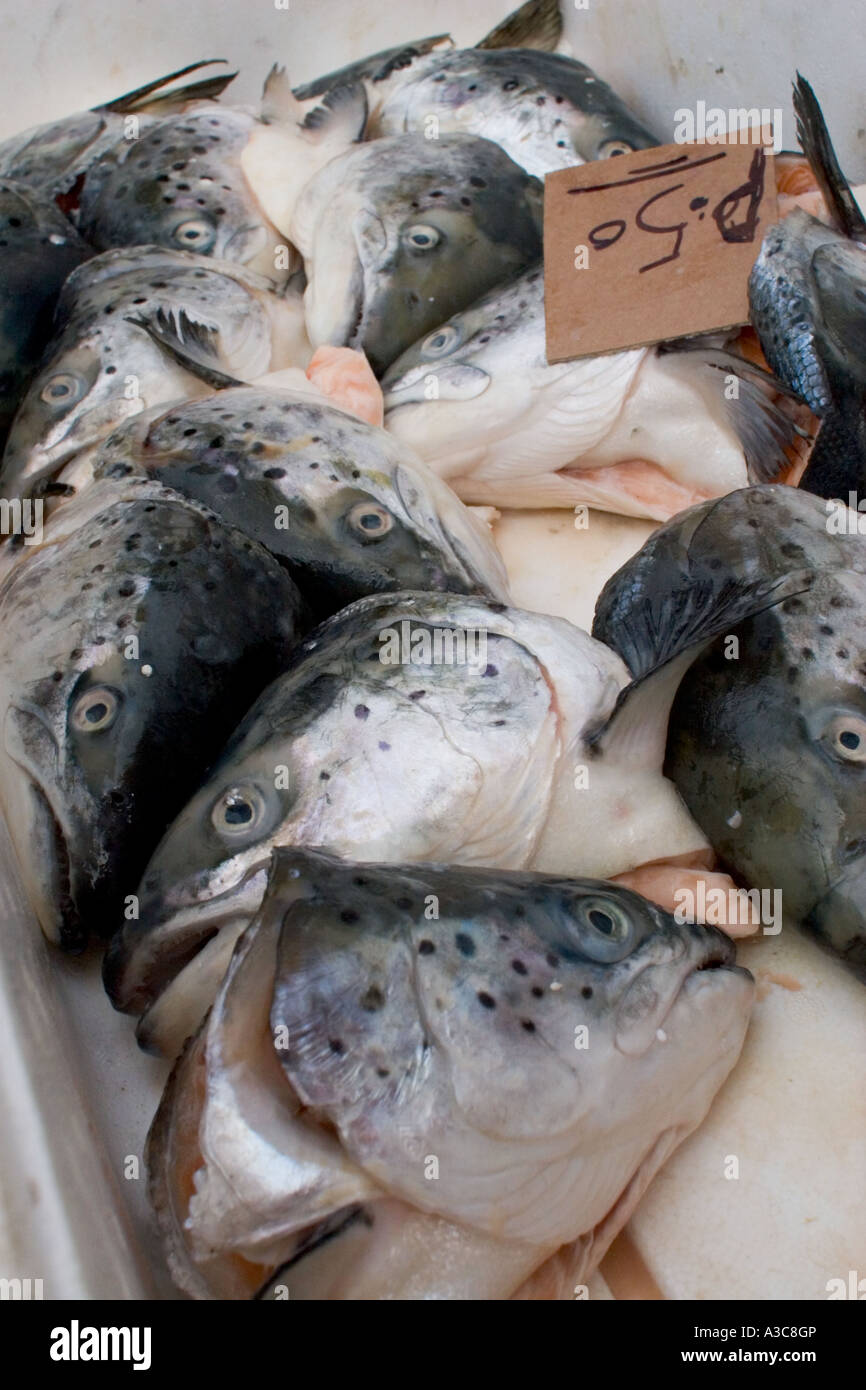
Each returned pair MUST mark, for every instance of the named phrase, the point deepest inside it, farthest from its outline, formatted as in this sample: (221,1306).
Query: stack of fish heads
(399,234)
(124,322)
(348,510)
(38,249)
(767,738)
(134,633)
(413,728)
(376,1018)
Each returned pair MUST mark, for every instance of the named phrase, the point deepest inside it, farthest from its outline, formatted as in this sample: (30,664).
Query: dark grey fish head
(546,110)
(133,638)
(767,736)
(181,185)
(345,508)
(507,1023)
(39,248)
(769,753)
(400,234)
(785,305)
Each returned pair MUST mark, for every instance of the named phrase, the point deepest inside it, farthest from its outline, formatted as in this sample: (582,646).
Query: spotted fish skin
(400,233)
(769,750)
(39,250)
(133,635)
(347,510)
(547,111)
(104,366)
(473,1068)
(181,185)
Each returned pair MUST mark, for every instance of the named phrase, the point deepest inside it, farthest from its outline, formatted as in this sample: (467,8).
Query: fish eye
(95,710)
(63,389)
(238,810)
(370,520)
(614,147)
(608,930)
(195,234)
(846,736)
(421,237)
(445,339)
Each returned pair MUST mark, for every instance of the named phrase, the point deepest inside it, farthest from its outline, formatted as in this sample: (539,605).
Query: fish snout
(675,960)
(452,381)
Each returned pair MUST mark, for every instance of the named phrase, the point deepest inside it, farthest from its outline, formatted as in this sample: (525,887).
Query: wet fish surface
(768,748)
(415,728)
(644,433)
(345,508)
(400,233)
(361,1030)
(133,636)
(107,363)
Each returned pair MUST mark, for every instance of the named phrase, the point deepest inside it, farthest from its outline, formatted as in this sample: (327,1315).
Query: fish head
(113,671)
(180,185)
(547,111)
(472,357)
(769,753)
(349,511)
(86,388)
(538,1036)
(419,230)
(366,747)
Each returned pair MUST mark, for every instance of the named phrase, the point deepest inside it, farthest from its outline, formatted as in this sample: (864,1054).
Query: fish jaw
(839,918)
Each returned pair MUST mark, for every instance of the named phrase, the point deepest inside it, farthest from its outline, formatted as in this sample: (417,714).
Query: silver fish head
(346,509)
(181,185)
(402,233)
(547,111)
(536,1036)
(114,670)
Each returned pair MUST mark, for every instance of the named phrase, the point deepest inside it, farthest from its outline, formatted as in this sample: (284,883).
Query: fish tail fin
(536,24)
(152,95)
(817,146)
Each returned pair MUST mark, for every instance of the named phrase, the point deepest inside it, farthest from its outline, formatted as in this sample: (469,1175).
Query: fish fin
(142,96)
(339,117)
(660,637)
(537,24)
(764,430)
(817,146)
(279,103)
(189,342)
(837,463)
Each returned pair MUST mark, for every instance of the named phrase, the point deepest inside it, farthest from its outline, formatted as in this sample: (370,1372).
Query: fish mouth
(55,904)
(147,957)
(708,962)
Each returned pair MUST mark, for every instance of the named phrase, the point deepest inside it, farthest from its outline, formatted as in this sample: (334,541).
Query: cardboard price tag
(653,245)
